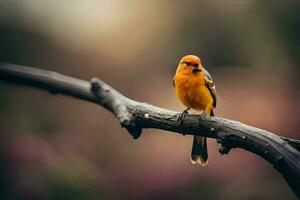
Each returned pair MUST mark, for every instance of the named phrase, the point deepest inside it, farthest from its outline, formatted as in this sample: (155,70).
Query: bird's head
(189,64)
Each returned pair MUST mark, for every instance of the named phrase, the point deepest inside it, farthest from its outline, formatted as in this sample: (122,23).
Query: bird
(196,90)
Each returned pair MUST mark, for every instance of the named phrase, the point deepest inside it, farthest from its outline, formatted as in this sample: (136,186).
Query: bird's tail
(199,153)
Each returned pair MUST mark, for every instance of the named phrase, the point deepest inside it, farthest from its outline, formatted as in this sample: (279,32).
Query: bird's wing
(174,81)
(211,86)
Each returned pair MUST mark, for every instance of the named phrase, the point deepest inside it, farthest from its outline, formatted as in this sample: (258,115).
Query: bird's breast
(192,91)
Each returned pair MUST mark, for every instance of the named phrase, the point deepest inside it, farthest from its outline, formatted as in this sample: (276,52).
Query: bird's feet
(203,116)
(182,115)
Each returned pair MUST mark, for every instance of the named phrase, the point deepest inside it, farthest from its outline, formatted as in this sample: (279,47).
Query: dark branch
(281,152)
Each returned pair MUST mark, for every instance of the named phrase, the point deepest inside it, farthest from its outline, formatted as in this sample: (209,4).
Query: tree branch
(283,153)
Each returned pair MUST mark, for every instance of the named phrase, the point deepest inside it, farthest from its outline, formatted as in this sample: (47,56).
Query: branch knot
(120,109)
(226,146)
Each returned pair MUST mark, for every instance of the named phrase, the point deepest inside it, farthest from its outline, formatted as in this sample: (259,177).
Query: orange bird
(195,89)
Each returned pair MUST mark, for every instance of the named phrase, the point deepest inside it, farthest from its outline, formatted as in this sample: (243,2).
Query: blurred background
(58,147)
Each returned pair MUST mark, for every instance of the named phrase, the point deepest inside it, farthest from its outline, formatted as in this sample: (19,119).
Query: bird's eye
(187,63)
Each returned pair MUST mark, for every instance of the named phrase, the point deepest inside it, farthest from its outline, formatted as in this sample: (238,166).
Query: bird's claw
(203,116)
(182,115)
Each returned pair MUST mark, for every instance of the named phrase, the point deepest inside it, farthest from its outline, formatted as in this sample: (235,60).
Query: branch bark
(283,153)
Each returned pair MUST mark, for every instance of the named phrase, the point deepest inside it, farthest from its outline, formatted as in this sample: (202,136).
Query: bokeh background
(58,147)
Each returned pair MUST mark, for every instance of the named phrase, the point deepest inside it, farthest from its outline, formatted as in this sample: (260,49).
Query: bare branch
(283,153)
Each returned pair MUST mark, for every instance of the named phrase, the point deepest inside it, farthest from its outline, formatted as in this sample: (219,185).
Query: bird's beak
(196,68)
